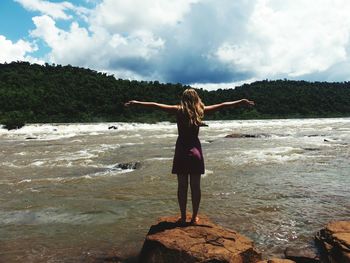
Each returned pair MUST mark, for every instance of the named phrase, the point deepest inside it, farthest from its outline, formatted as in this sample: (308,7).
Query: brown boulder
(334,241)
(302,255)
(169,242)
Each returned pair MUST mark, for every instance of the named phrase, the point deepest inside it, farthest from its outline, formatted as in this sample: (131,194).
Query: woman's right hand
(248,102)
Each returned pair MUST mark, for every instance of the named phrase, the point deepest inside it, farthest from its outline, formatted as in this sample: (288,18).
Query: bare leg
(195,182)
(182,190)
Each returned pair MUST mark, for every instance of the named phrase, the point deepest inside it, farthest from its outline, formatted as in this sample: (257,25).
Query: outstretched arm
(227,104)
(154,105)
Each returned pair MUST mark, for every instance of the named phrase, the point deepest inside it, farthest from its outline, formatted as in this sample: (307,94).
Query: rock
(31,138)
(112,127)
(302,255)
(311,149)
(169,242)
(331,140)
(334,241)
(242,135)
(277,260)
(125,166)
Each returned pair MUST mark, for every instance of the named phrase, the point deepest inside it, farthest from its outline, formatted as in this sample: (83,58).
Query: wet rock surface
(169,242)
(334,242)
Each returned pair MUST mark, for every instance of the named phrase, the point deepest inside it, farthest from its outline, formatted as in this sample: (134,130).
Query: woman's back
(184,129)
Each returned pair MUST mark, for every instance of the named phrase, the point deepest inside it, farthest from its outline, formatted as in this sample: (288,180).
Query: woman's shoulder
(179,110)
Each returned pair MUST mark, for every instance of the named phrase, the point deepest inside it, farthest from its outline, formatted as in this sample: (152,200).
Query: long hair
(192,107)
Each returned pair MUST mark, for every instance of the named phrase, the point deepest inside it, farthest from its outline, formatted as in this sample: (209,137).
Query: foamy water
(65,197)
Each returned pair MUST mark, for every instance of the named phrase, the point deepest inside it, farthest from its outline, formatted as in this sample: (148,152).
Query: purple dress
(188,158)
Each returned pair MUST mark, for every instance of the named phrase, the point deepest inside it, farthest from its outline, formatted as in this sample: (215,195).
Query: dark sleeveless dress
(188,158)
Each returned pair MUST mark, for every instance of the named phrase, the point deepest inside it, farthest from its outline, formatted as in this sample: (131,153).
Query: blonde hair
(192,107)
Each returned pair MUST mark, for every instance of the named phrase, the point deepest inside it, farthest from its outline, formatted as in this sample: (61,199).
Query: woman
(188,159)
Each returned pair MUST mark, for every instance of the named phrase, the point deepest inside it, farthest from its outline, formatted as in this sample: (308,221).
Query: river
(63,197)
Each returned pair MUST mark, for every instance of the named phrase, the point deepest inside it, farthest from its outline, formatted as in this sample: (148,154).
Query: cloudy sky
(206,43)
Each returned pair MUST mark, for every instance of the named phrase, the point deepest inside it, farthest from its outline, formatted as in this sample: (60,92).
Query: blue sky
(206,43)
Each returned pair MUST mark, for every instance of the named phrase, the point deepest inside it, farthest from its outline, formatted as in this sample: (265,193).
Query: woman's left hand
(130,103)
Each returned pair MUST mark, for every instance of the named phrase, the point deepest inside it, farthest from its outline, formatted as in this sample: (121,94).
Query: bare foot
(195,221)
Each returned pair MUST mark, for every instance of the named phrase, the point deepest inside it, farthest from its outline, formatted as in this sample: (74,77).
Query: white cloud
(135,15)
(10,51)
(215,86)
(98,49)
(55,10)
(140,44)
(294,38)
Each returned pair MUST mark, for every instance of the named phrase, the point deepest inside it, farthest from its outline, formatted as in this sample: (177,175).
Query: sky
(208,44)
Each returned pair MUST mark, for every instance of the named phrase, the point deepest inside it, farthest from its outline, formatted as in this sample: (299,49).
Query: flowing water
(63,197)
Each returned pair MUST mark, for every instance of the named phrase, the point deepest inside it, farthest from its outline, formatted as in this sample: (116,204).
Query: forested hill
(54,93)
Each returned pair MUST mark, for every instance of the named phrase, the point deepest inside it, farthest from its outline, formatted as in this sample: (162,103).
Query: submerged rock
(334,241)
(242,135)
(169,242)
(311,149)
(125,166)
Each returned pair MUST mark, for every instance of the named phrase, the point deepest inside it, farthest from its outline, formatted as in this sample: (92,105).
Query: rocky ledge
(334,241)
(169,242)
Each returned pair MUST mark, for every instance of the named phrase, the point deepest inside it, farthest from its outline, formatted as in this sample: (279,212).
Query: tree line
(32,93)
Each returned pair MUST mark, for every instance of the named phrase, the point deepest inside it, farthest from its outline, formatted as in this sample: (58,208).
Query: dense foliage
(55,93)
